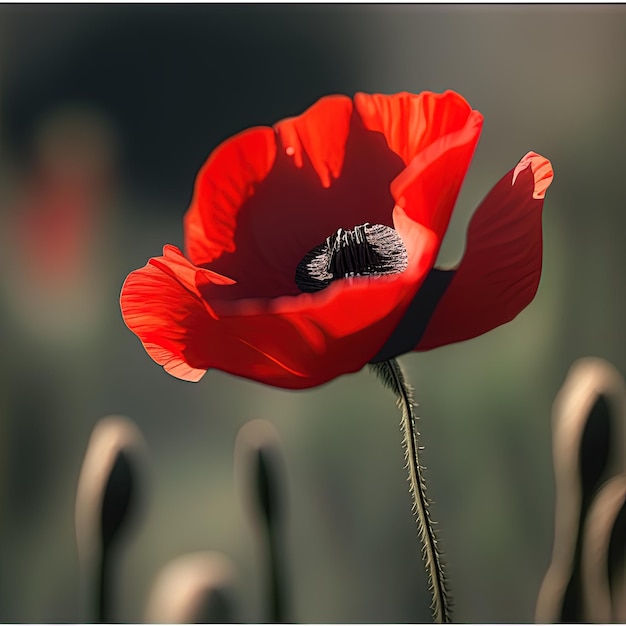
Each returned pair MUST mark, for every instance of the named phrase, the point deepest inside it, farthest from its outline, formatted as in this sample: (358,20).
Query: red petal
(174,263)
(290,342)
(435,135)
(411,123)
(162,305)
(224,183)
(330,167)
(319,136)
(263,200)
(328,172)
(500,270)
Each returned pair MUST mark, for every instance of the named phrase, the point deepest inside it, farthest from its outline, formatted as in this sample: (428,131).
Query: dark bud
(196,588)
(117,503)
(589,430)
(108,501)
(261,473)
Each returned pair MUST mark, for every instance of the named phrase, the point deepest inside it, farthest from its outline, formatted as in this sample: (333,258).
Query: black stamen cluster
(366,250)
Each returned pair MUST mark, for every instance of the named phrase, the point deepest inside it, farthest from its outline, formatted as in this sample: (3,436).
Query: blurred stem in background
(261,475)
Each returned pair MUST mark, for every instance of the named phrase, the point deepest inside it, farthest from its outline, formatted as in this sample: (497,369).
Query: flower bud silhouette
(260,472)
(589,447)
(108,500)
(196,588)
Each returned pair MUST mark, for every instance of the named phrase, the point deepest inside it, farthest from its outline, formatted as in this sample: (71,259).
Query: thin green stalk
(276,579)
(105,578)
(392,376)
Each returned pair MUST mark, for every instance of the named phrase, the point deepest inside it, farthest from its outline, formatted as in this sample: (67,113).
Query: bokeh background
(107,113)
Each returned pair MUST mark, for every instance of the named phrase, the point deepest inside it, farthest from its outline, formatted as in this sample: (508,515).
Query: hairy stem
(392,376)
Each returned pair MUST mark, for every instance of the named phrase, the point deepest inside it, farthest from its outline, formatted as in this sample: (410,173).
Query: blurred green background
(107,113)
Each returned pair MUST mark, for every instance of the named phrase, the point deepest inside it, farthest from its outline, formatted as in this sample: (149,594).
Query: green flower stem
(276,577)
(105,578)
(392,376)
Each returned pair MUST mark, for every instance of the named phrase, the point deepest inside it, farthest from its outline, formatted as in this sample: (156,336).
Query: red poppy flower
(310,245)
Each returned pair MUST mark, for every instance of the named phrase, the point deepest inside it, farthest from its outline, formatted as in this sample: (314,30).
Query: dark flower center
(366,250)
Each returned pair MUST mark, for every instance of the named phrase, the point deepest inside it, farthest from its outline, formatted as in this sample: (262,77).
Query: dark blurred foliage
(213,69)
